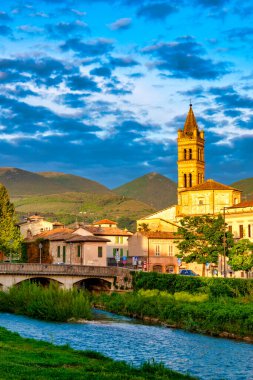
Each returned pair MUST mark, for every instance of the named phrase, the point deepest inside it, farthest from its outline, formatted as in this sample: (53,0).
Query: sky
(100,88)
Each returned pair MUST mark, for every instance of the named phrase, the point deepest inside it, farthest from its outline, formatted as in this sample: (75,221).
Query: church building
(198,196)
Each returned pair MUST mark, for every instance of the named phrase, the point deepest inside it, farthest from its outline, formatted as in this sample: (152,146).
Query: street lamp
(40,248)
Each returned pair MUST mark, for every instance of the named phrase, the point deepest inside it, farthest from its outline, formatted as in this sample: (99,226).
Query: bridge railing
(74,270)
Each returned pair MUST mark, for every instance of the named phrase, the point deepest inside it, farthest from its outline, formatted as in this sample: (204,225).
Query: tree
(241,256)
(202,239)
(143,227)
(10,237)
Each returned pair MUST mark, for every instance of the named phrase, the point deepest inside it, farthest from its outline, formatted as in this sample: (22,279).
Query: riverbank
(30,359)
(222,316)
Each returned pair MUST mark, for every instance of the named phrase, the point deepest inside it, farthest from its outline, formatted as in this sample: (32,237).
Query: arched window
(185,180)
(185,155)
(190,154)
(190,180)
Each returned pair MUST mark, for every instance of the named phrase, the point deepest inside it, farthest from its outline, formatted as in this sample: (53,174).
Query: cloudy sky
(100,88)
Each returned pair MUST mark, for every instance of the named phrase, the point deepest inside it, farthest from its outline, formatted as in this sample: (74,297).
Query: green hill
(246,186)
(84,207)
(152,188)
(22,183)
(70,182)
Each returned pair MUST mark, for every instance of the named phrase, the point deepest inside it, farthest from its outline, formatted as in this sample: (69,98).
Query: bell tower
(191,162)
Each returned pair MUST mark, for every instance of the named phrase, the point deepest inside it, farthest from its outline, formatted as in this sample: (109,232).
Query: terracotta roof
(190,124)
(79,238)
(54,232)
(210,184)
(158,234)
(107,231)
(243,204)
(104,221)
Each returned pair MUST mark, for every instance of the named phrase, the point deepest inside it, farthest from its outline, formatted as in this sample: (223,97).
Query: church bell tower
(191,162)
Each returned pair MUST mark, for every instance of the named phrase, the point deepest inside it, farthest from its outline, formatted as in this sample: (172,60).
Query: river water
(126,339)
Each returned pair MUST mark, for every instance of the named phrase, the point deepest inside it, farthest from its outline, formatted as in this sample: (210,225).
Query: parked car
(188,272)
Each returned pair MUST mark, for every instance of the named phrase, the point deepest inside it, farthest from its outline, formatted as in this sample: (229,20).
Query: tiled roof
(104,221)
(107,231)
(210,184)
(158,234)
(53,233)
(79,238)
(243,204)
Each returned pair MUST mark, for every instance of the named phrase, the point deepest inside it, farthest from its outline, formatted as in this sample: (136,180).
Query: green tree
(10,237)
(241,255)
(202,239)
(143,227)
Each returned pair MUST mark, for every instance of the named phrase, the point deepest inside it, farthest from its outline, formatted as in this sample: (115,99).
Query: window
(190,180)
(58,251)
(185,180)
(78,251)
(201,202)
(249,230)
(100,251)
(121,252)
(116,239)
(157,250)
(190,154)
(230,229)
(185,157)
(241,231)
(170,250)
(235,201)
(121,240)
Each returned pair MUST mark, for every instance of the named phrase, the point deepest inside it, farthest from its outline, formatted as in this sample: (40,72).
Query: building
(36,224)
(117,247)
(153,251)
(197,196)
(67,246)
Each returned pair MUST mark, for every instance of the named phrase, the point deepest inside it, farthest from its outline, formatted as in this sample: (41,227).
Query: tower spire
(190,124)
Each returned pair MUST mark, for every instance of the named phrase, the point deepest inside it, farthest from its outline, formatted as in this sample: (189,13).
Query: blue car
(188,272)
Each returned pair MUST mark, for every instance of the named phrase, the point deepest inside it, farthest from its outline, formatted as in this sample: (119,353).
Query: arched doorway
(158,268)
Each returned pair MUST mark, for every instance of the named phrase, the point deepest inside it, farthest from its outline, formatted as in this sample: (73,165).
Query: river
(127,339)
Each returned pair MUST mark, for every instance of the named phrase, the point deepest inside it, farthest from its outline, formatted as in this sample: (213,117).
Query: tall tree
(201,239)
(241,256)
(10,237)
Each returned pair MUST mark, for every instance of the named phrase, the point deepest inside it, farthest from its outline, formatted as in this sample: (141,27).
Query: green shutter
(78,251)
(100,251)
(58,251)
(121,252)
(114,251)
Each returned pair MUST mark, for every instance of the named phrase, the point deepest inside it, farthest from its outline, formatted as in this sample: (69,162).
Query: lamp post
(40,248)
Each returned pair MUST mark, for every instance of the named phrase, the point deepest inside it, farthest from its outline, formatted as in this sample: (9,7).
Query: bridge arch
(40,280)
(94,284)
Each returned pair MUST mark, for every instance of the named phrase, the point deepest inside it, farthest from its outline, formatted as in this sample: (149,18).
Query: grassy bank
(50,303)
(29,359)
(199,312)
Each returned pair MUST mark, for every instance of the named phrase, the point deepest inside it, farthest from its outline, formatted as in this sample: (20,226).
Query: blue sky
(100,88)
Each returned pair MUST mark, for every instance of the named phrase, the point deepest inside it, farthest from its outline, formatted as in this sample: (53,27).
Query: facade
(153,251)
(118,239)
(67,246)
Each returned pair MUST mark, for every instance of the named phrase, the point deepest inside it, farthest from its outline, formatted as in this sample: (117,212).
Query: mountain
(22,183)
(152,188)
(70,182)
(246,186)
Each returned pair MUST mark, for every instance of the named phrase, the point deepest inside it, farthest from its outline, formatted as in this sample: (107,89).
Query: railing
(73,270)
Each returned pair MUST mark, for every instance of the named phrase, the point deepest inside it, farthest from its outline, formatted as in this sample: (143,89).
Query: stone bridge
(67,276)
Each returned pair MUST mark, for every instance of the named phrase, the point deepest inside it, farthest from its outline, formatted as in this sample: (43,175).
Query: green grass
(194,312)
(30,359)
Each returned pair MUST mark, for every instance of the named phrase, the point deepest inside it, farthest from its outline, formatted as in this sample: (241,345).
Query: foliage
(194,312)
(143,227)
(10,238)
(202,239)
(128,223)
(51,303)
(30,359)
(173,283)
(241,255)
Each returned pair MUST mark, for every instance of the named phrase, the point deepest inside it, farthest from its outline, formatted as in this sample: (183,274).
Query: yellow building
(197,196)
